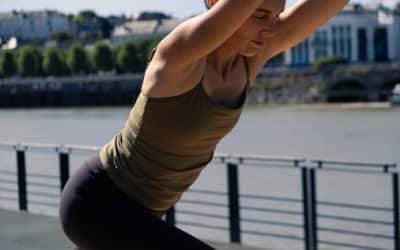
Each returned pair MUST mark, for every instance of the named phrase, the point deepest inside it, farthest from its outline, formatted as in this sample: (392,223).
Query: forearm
(302,20)
(201,35)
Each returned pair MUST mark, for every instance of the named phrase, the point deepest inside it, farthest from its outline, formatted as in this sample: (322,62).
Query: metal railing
(308,171)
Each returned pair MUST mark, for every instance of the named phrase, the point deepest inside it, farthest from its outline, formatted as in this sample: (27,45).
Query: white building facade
(34,24)
(357,33)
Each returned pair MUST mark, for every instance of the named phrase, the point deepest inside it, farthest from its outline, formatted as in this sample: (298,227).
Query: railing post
(21,175)
(170,216)
(313,218)
(234,209)
(396,211)
(306,220)
(64,169)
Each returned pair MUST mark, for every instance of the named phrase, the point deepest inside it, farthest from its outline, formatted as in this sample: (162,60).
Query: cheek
(245,33)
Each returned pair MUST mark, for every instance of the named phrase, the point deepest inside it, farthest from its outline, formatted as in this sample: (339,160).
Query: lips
(258,43)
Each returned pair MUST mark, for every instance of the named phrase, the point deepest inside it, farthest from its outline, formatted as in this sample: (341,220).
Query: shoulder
(163,79)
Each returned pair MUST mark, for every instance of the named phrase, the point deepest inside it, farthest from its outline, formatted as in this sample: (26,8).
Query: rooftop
(25,14)
(146,27)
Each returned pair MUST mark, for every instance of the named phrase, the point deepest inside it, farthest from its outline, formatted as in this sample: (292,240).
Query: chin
(249,52)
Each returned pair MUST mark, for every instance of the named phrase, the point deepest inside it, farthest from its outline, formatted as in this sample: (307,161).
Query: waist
(108,185)
(157,186)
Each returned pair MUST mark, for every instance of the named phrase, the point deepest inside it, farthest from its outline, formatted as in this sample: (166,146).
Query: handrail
(323,164)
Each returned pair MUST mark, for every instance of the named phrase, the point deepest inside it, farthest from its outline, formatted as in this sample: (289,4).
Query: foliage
(86,17)
(138,52)
(62,36)
(77,60)
(127,58)
(323,62)
(29,60)
(54,63)
(8,65)
(102,57)
(145,48)
(152,16)
(105,26)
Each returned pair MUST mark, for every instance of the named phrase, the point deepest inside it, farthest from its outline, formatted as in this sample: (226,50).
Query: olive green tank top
(165,144)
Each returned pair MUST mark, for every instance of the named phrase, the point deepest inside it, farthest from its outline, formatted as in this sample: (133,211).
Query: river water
(351,132)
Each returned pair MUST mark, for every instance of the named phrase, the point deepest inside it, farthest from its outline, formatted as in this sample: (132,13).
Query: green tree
(62,36)
(88,14)
(54,62)
(106,27)
(144,50)
(8,66)
(146,15)
(84,16)
(127,58)
(29,61)
(323,62)
(78,60)
(102,57)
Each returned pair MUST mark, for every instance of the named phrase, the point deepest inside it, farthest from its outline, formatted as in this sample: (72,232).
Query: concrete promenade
(25,231)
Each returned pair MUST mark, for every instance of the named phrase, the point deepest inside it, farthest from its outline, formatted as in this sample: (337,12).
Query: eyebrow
(263,10)
(267,11)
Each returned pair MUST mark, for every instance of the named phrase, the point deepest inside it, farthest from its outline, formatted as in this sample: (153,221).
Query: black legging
(96,215)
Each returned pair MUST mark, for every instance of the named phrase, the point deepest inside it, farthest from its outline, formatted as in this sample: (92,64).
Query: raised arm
(296,24)
(198,36)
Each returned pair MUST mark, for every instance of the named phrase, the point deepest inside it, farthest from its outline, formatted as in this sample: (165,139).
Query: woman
(192,94)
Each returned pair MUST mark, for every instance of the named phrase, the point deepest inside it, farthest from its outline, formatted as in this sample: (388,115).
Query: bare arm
(198,36)
(296,24)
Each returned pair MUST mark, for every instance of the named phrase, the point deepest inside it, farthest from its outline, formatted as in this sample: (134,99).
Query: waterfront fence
(308,206)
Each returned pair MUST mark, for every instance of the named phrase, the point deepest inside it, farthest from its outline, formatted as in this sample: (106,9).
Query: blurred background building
(358,33)
(34,25)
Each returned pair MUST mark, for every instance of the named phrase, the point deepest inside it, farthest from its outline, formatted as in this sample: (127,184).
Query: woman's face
(251,37)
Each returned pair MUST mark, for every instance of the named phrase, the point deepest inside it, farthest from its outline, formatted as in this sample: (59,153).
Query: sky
(177,8)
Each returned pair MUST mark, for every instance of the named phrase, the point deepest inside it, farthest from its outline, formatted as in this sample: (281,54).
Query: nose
(269,28)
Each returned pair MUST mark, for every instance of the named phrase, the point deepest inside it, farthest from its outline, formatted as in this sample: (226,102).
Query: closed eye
(261,14)
(264,13)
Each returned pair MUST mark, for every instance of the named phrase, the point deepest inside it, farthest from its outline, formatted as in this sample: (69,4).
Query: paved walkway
(25,231)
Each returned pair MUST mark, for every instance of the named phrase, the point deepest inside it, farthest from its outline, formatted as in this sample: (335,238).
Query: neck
(223,58)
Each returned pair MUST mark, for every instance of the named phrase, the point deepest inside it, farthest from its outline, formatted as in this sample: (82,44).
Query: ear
(211,3)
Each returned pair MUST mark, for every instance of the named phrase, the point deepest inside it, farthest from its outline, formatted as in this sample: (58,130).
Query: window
(334,45)
(341,40)
(380,45)
(362,44)
(349,44)
(306,59)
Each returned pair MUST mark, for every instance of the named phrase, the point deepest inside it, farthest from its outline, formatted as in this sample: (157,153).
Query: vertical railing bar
(64,169)
(170,216)
(307,245)
(233,193)
(396,211)
(313,199)
(21,175)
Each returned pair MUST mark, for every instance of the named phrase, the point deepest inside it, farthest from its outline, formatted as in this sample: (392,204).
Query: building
(33,25)
(143,29)
(358,33)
